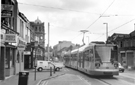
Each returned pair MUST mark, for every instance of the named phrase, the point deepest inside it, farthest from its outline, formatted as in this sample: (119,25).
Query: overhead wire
(74,11)
(122,25)
(58,8)
(100,15)
(118,27)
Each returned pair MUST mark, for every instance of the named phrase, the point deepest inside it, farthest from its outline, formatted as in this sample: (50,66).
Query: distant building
(57,49)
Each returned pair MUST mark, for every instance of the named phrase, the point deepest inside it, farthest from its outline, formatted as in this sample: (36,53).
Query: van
(44,65)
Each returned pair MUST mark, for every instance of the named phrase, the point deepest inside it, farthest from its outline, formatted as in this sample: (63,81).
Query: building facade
(39,33)
(11,55)
(126,48)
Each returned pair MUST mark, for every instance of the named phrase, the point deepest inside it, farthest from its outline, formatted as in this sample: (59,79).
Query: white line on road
(101,82)
(80,77)
(39,82)
(45,83)
(83,79)
(127,76)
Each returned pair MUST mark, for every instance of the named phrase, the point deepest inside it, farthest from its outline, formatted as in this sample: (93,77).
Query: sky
(68,17)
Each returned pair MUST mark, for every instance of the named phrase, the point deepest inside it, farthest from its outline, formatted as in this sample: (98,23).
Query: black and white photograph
(67,42)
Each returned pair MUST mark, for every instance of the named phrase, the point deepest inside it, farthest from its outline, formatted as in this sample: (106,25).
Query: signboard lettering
(6,13)
(7,7)
(11,38)
(6,10)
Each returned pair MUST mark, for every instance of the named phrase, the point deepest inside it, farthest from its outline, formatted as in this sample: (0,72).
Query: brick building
(126,48)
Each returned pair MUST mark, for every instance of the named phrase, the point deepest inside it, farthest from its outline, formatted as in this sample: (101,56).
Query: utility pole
(106,30)
(134,26)
(48,41)
(88,39)
(83,31)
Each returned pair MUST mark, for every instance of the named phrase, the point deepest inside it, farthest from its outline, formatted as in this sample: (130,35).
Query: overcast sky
(68,17)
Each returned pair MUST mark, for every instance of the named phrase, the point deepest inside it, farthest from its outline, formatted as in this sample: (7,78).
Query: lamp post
(106,30)
(48,48)
(36,46)
(83,31)
(88,39)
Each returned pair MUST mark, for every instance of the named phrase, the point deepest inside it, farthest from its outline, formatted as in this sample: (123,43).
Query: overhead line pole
(48,41)
(106,30)
(83,31)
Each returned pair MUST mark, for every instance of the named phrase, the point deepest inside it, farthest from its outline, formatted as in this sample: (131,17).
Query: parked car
(121,68)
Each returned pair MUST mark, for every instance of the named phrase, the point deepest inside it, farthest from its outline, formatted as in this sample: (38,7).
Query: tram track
(113,81)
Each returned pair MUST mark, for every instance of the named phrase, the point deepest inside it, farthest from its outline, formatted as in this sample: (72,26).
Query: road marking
(104,83)
(45,83)
(80,77)
(83,79)
(127,76)
(128,83)
(39,82)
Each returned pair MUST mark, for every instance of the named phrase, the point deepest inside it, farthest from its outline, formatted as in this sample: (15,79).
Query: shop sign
(6,13)
(6,10)
(11,38)
(21,44)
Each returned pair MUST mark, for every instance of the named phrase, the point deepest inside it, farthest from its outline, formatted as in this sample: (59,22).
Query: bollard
(35,73)
(50,71)
(23,78)
(54,70)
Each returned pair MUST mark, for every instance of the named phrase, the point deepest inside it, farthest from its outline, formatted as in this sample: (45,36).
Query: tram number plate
(107,73)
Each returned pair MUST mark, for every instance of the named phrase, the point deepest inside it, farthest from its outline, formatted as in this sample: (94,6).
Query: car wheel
(40,69)
(122,71)
(57,69)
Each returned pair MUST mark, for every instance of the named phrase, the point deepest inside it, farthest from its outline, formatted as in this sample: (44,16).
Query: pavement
(13,80)
(67,79)
(57,78)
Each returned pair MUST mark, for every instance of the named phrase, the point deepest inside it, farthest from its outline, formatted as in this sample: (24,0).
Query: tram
(94,59)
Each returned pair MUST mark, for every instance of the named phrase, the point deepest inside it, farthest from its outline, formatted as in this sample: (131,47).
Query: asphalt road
(73,77)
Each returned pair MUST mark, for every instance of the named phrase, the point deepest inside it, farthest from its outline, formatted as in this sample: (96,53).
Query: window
(35,28)
(39,29)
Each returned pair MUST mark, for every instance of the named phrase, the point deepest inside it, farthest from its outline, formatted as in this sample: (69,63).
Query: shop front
(8,55)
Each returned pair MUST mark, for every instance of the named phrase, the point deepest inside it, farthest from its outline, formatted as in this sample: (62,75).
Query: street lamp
(83,31)
(106,30)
